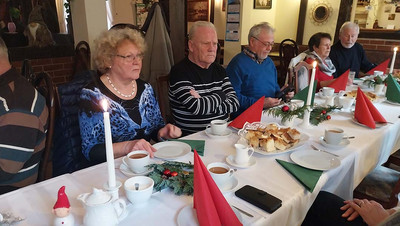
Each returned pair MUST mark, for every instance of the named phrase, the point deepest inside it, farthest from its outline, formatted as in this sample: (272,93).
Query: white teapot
(100,209)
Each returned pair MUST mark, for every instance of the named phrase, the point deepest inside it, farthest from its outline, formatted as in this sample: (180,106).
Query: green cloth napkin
(393,90)
(195,144)
(302,95)
(307,177)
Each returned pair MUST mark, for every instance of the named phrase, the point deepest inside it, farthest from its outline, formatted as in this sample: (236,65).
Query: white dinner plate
(242,140)
(187,216)
(169,150)
(342,144)
(393,103)
(377,124)
(231,161)
(128,172)
(315,160)
(213,136)
(303,139)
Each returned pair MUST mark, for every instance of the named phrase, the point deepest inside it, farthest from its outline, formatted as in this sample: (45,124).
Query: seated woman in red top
(320,46)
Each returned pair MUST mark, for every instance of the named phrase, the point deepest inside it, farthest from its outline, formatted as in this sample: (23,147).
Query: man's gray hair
(256,29)
(3,48)
(198,24)
(351,25)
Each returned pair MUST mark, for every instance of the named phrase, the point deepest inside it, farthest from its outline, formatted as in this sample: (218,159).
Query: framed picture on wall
(197,10)
(398,9)
(262,4)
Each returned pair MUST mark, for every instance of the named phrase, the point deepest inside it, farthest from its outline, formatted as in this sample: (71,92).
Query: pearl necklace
(116,90)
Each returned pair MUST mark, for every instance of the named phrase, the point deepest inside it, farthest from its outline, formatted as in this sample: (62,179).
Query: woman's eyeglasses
(131,58)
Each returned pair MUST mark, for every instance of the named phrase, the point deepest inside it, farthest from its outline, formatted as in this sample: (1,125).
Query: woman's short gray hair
(198,24)
(349,24)
(106,45)
(256,29)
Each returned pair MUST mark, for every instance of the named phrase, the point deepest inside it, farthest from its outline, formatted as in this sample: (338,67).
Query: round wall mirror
(321,13)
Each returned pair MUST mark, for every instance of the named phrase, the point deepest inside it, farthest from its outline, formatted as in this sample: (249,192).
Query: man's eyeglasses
(131,58)
(268,44)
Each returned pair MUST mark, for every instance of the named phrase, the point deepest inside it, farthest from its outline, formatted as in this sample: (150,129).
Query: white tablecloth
(369,148)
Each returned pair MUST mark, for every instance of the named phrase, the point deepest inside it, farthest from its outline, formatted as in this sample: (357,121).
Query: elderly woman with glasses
(134,112)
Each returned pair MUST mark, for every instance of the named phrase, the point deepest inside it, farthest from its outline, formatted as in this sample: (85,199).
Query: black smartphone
(259,198)
(282,94)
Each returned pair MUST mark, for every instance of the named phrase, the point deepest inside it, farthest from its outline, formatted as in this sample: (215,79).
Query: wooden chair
(381,185)
(43,83)
(288,49)
(294,75)
(163,100)
(82,57)
(27,70)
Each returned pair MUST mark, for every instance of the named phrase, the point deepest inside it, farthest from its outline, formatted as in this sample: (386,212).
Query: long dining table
(369,148)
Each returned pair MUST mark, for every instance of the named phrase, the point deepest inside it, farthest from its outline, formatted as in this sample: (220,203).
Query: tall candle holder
(306,119)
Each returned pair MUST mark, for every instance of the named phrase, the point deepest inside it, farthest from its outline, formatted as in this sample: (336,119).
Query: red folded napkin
(211,206)
(381,67)
(365,112)
(341,82)
(251,114)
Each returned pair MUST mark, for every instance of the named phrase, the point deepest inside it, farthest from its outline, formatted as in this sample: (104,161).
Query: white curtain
(110,19)
(61,16)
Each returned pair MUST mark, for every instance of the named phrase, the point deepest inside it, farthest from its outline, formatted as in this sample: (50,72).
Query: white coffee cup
(139,189)
(378,73)
(221,173)
(242,154)
(218,127)
(346,102)
(333,136)
(327,91)
(137,161)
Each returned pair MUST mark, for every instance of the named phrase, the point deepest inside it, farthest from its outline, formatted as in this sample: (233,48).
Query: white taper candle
(311,86)
(109,147)
(393,60)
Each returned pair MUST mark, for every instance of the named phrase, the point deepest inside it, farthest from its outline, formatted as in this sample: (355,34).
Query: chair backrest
(287,50)
(27,70)
(299,75)
(163,100)
(43,83)
(82,57)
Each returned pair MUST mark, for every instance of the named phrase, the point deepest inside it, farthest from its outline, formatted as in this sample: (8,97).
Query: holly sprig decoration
(175,175)
(375,81)
(286,112)
(320,114)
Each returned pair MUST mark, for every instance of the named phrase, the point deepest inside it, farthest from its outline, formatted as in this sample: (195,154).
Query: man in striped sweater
(200,90)
(23,123)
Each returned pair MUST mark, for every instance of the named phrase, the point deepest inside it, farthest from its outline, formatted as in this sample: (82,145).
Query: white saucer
(231,161)
(342,144)
(214,136)
(231,185)
(127,172)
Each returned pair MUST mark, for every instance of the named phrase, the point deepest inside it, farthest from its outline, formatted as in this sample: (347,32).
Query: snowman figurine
(61,210)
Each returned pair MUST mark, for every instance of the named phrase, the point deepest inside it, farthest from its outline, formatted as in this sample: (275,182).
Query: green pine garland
(286,115)
(317,115)
(182,183)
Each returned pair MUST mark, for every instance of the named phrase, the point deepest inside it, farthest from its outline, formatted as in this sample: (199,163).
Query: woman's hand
(169,131)
(141,144)
(371,212)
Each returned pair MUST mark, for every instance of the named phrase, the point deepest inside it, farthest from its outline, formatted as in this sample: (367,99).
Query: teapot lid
(98,197)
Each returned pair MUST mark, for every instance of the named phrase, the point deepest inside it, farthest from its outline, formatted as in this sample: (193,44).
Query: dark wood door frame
(344,15)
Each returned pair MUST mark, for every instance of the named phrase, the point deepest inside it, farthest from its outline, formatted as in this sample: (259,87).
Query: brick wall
(379,50)
(60,68)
